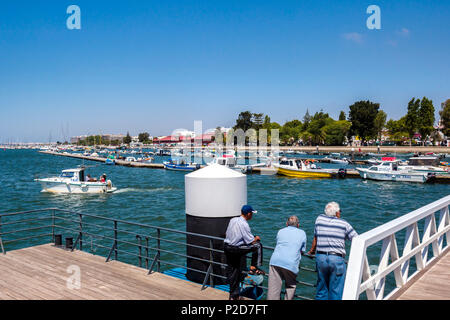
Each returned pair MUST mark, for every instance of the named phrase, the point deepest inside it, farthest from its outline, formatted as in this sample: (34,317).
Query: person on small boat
(291,244)
(103,178)
(330,234)
(88,178)
(239,241)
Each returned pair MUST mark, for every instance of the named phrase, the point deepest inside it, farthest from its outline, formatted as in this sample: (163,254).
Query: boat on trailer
(74,181)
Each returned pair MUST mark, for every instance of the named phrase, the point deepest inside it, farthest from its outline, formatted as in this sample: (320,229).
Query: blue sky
(159,65)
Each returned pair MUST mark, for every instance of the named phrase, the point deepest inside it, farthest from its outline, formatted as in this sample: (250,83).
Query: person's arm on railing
(312,251)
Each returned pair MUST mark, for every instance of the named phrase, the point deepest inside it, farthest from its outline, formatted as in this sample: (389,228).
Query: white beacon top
(215,191)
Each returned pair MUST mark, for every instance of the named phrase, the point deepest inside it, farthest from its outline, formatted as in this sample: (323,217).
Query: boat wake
(143,190)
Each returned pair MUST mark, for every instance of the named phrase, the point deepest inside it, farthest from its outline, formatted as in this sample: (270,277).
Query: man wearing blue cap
(238,242)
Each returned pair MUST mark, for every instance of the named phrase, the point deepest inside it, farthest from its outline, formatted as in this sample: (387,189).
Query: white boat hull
(338,161)
(389,176)
(75,187)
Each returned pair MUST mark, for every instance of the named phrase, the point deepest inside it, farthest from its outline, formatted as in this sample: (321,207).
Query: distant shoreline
(365,149)
(321,149)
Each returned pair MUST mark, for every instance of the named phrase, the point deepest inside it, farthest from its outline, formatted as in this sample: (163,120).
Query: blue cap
(246,209)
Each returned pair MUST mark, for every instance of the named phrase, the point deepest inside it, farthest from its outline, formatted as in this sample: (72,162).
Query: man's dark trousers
(236,261)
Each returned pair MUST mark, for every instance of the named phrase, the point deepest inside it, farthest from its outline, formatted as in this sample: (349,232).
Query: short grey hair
(331,209)
(292,221)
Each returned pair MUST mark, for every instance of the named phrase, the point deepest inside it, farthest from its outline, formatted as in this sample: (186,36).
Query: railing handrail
(379,233)
(79,231)
(359,278)
(123,222)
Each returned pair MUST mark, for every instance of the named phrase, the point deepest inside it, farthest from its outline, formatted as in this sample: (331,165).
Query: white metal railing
(359,278)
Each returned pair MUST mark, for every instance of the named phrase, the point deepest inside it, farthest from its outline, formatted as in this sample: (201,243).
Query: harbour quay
(350,173)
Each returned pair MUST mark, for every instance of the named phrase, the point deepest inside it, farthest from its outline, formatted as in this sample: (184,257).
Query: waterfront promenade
(44,273)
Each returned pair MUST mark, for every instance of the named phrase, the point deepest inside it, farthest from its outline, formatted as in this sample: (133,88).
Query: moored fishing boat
(74,181)
(230,161)
(410,165)
(180,165)
(300,169)
(391,171)
(336,158)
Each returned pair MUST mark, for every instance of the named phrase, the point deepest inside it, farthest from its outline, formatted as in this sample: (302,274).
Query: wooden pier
(44,273)
(432,284)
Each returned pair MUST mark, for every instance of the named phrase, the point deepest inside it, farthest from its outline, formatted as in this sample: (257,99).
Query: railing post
(53,225)
(159,247)
(1,241)
(354,270)
(81,232)
(115,240)
(138,237)
(146,252)
(211,280)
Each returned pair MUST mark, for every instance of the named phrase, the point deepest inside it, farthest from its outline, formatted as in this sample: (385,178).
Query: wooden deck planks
(40,273)
(434,284)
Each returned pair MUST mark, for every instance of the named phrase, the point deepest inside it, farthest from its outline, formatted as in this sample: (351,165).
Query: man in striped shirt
(330,234)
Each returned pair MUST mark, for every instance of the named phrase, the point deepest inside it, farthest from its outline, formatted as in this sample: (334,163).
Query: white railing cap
(379,233)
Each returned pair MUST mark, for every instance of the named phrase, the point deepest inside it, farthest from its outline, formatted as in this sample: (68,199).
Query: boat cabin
(295,164)
(386,166)
(73,174)
(423,161)
(226,160)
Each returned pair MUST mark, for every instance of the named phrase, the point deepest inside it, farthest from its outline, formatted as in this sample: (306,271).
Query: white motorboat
(229,161)
(74,181)
(410,165)
(336,158)
(426,169)
(391,171)
(372,154)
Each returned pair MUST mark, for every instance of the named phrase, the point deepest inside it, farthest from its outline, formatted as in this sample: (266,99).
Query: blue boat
(178,165)
(110,161)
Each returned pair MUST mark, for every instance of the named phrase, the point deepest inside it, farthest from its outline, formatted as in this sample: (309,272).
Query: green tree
(291,130)
(144,137)
(244,121)
(379,122)
(397,129)
(342,116)
(412,117)
(425,118)
(362,116)
(445,117)
(336,132)
(306,120)
(127,139)
(266,123)
(316,131)
(258,121)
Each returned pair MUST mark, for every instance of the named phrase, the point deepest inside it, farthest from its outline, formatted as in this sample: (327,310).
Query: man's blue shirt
(290,241)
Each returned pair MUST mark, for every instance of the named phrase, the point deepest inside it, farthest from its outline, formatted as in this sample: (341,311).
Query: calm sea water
(156,197)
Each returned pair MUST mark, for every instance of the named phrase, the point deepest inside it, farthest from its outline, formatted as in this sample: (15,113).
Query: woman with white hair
(330,234)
